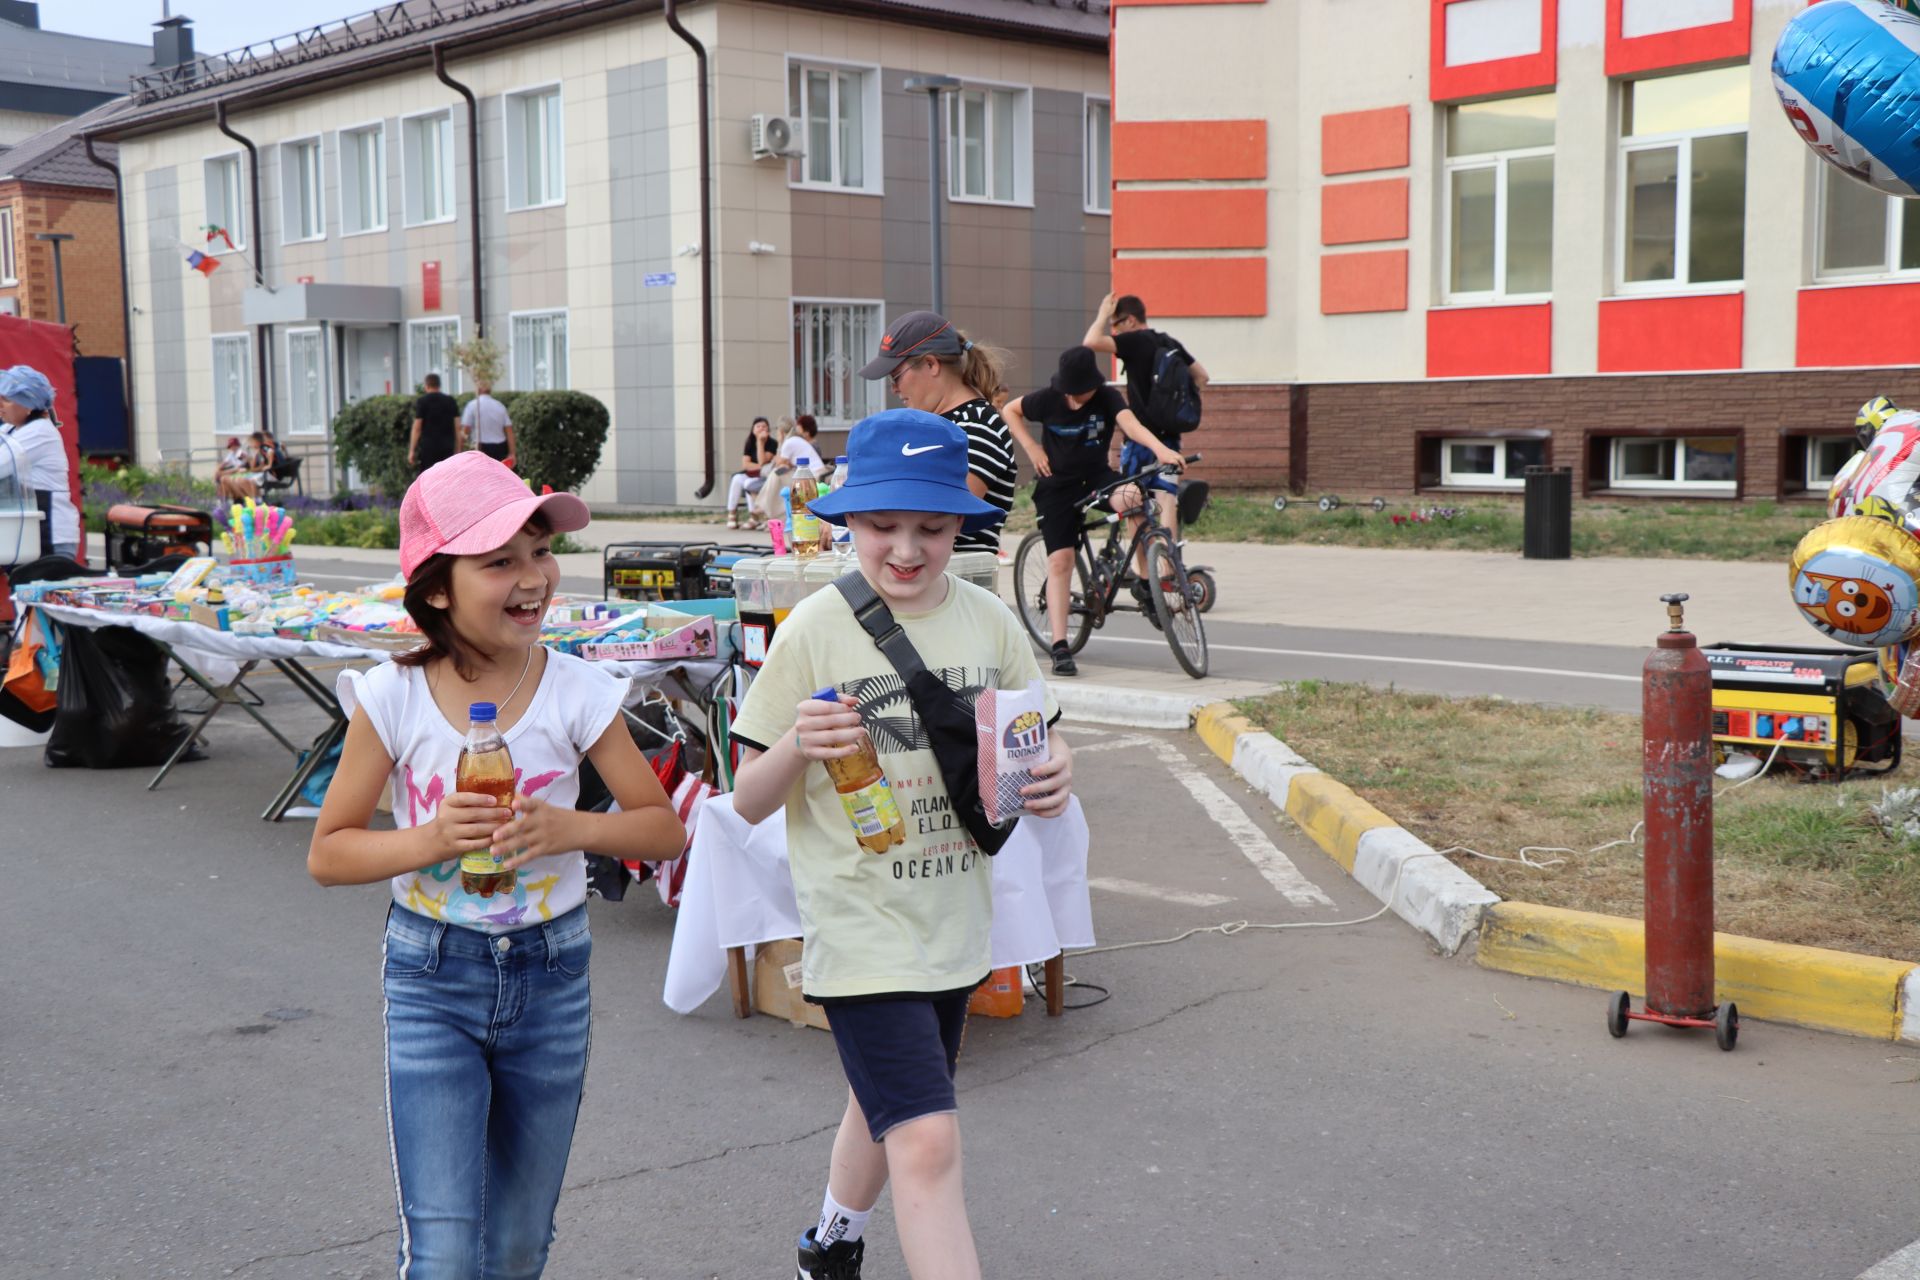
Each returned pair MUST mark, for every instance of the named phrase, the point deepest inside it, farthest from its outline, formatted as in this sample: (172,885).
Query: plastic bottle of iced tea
(864,793)
(485,769)
(803,528)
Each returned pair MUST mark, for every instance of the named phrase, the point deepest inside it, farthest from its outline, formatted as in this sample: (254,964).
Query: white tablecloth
(193,639)
(739,892)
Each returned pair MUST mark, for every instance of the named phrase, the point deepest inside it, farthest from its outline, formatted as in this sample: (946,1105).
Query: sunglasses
(893,379)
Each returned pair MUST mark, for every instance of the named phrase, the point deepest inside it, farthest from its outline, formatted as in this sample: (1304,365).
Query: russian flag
(202,263)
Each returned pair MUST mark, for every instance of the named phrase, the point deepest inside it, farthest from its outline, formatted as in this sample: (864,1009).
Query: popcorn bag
(1012,726)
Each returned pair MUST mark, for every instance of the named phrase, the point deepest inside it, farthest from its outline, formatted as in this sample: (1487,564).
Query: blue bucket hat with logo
(907,460)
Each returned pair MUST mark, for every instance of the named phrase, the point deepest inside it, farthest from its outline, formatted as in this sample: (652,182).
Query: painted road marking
(1391,657)
(1275,866)
(1138,889)
(1131,740)
(1904,1265)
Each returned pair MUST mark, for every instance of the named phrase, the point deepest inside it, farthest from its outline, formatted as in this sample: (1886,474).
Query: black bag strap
(871,612)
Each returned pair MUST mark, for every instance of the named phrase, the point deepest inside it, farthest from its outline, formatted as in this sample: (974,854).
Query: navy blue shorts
(1135,456)
(899,1055)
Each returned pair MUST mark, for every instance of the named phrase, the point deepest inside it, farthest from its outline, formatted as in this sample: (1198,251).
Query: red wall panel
(1465,342)
(1357,212)
(1869,325)
(1716,42)
(1503,75)
(1234,218)
(1375,280)
(1149,150)
(1196,286)
(1653,334)
(1357,141)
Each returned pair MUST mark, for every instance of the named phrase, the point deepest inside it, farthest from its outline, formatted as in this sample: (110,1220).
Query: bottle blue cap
(840,461)
(480,711)
(828,694)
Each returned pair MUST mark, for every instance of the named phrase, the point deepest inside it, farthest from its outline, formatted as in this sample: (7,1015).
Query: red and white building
(1421,244)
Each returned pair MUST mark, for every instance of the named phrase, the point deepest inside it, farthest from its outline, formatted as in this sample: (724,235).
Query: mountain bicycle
(1173,605)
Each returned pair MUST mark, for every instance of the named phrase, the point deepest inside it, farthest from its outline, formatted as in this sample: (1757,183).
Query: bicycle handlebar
(1147,473)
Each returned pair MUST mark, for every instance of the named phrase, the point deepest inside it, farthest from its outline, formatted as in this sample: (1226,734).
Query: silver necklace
(524,668)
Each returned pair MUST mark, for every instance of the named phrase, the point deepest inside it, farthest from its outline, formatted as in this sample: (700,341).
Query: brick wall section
(1363,438)
(90,262)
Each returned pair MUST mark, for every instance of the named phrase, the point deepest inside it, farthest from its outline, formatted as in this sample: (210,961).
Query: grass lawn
(1700,530)
(1794,861)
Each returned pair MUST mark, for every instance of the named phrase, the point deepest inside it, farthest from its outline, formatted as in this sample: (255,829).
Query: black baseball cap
(917,333)
(1079,372)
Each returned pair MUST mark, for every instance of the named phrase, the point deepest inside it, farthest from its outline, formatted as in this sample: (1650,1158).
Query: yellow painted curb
(1333,815)
(1774,981)
(1220,726)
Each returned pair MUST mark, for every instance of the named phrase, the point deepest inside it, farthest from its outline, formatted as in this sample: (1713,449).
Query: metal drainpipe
(262,334)
(706,242)
(126,305)
(473,183)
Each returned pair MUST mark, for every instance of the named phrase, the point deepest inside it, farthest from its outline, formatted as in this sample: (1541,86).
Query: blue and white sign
(661,279)
(1848,76)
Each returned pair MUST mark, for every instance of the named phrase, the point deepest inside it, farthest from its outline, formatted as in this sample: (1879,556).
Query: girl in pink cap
(486,990)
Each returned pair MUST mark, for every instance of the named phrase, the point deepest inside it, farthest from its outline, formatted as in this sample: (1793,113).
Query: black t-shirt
(752,452)
(1138,351)
(989,456)
(1077,441)
(439,415)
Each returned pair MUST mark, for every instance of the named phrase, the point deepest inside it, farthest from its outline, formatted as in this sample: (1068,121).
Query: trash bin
(1548,528)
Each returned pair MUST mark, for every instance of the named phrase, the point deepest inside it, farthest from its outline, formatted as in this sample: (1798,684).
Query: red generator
(137,534)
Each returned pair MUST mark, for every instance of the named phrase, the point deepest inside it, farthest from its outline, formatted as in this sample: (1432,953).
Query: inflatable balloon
(1884,480)
(1857,580)
(1848,76)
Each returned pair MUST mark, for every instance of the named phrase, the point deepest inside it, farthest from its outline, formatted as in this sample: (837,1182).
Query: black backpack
(1173,404)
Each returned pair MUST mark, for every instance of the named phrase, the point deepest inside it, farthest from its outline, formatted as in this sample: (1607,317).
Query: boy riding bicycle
(1120,329)
(1077,414)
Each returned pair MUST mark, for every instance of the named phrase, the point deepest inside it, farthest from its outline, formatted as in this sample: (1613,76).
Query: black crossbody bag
(948,717)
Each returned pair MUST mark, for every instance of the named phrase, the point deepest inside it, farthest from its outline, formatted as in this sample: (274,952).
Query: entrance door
(372,366)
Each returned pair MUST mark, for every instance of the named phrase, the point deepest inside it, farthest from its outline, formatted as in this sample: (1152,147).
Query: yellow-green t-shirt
(916,918)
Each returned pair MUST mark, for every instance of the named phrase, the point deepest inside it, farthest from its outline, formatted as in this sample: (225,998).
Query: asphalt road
(190,1076)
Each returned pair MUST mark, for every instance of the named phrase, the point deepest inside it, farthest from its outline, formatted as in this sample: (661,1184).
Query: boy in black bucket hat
(1077,416)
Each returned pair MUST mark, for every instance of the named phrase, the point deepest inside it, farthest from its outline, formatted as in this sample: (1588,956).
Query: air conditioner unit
(777,138)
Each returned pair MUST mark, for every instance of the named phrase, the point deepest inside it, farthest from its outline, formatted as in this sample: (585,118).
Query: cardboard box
(694,640)
(776,984)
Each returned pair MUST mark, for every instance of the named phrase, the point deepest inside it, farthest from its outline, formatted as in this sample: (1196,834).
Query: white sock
(837,1222)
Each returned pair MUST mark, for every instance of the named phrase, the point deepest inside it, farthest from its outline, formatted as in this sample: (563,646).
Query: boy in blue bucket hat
(896,941)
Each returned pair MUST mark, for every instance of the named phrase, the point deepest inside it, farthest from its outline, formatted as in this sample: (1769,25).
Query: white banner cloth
(739,892)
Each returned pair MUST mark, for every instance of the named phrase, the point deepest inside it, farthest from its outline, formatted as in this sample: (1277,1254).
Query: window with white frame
(430,346)
(990,144)
(540,351)
(1489,463)
(1683,162)
(1673,462)
(426,160)
(225,207)
(232,383)
(1862,231)
(536,168)
(1825,456)
(363,179)
(839,113)
(831,340)
(1099,147)
(302,194)
(1499,185)
(306,383)
(9,269)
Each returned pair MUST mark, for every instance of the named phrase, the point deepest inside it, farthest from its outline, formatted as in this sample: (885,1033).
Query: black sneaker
(838,1261)
(1063,663)
(1144,598)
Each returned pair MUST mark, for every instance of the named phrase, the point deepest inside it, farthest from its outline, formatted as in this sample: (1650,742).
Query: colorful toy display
(256,532)
(1846,72)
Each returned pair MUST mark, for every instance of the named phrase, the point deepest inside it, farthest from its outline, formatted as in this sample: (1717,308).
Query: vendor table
(739,893)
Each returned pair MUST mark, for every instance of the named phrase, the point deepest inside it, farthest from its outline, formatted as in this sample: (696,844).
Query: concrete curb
(1132,708)
(1772,981)
(1421,887)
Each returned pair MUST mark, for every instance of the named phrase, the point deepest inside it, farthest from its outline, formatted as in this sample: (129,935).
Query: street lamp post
(933,87)
(56,239)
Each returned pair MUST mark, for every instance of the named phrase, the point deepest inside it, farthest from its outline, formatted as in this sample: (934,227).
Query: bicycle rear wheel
(1175,606)
(1030,595)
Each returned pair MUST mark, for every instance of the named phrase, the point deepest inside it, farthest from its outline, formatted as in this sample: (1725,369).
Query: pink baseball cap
(471,504)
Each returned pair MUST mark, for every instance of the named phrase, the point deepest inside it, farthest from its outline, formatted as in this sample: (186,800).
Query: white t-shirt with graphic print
(572,706)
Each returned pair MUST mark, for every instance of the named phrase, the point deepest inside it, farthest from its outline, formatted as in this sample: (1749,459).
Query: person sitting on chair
(28,423)
(238,486)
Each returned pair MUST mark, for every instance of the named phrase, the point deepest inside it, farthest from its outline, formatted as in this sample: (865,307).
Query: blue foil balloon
(1848,76)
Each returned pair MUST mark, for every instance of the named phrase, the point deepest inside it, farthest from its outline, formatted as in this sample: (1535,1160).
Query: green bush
(371,436)
(558,436)
(378,529)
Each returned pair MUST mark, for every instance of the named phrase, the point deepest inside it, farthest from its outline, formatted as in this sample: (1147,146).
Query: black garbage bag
(116,708)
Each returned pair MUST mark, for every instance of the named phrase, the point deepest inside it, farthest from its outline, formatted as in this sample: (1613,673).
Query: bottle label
(871,809)
(481,863)
(805,527)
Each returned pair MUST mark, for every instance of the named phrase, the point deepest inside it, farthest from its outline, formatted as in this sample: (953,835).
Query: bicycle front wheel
(1030,595)
(1175,606)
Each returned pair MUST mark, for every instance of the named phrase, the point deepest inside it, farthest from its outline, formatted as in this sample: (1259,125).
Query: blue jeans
(487,1038)
(1134,456)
